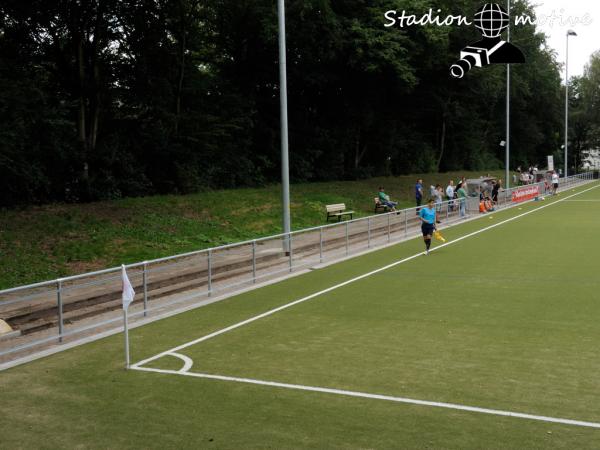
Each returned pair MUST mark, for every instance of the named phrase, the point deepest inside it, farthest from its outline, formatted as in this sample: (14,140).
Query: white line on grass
(345,283)
(410,401)
(187,362)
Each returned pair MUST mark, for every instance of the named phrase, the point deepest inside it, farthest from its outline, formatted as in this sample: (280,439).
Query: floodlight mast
(569,33)
(507,155)
(285,171)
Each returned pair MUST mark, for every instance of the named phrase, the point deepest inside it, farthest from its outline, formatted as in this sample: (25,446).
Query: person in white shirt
(439,199)
(555,182)
(450,195)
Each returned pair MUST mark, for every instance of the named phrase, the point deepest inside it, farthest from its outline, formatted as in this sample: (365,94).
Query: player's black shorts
(555,185)
(427,229)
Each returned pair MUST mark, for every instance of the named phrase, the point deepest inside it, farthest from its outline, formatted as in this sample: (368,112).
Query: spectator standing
(462,200)
(524,179)
(439,199)
(555,182)
(496,190)
(419,193)
(450,195)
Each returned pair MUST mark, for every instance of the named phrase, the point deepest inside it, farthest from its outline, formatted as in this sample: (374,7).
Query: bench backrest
(335,208)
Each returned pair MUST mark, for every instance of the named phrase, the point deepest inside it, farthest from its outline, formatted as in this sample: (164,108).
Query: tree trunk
(95,94)
(442,143)
(183,47)
(180,82)
(359,153)
(82,113)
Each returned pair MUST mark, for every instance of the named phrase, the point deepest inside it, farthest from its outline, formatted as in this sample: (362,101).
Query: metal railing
(90,303)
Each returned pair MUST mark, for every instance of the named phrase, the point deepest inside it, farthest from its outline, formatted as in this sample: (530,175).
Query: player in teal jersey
(428,221)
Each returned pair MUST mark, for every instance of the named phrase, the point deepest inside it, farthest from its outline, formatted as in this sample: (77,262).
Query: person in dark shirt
(419,193)
(496,190)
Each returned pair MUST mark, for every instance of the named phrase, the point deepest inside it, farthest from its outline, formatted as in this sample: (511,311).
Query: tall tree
(109,98)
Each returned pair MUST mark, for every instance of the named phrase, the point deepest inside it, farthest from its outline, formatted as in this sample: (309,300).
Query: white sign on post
(550,163)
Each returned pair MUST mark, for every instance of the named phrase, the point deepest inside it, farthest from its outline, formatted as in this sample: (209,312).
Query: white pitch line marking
(187,362)
(454,406)
(345,283)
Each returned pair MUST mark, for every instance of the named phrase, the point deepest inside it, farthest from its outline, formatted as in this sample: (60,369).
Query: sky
(581,46)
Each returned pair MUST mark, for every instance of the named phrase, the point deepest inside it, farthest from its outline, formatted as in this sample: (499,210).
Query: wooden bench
(338,211)
(380,207)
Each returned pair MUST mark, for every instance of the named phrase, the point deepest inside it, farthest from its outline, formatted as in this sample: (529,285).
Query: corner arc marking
(187,362)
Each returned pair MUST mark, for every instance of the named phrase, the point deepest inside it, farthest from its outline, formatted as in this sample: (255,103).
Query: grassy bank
(57,240)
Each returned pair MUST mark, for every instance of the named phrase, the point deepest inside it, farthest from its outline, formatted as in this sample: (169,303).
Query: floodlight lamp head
(571,33)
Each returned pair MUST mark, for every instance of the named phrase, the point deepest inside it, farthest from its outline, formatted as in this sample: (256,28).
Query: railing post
(347,239)
(60,309)
(389,228)
(254,261)
(290,252)
(145,282)
(321,244)
(369,232)
(209,272)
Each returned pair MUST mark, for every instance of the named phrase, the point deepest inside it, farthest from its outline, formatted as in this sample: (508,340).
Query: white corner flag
(128,292)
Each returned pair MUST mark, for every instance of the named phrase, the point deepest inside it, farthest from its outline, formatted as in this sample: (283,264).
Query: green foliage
(584,114)
(109,99)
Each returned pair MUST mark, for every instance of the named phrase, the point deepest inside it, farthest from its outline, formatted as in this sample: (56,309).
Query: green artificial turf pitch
(506,319)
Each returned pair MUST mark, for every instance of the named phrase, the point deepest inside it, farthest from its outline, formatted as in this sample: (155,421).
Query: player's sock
(428,243)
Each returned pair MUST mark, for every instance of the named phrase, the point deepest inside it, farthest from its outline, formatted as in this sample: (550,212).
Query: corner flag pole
(126,332)
(285,171)
(507,162)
